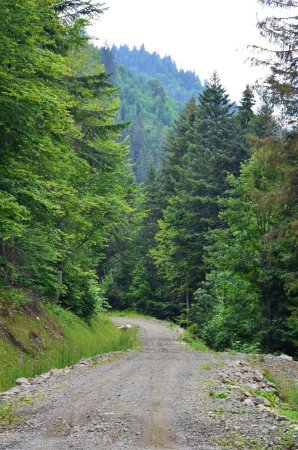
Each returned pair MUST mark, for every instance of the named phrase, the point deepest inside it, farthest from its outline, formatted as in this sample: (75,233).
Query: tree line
(217,247)
(209,239)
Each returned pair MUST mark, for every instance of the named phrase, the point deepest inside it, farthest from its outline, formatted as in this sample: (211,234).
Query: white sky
(199,35)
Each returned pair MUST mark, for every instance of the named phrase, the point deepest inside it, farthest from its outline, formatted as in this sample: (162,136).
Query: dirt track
(157,398)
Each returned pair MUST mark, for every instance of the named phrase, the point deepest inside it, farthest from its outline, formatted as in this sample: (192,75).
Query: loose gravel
(162,397)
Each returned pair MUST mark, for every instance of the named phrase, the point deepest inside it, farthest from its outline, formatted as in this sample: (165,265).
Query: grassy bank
(35,338)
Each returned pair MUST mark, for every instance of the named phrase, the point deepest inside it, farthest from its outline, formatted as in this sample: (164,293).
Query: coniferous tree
(280,55)
(245,113)
(212,152)
(249,298)
(178,141)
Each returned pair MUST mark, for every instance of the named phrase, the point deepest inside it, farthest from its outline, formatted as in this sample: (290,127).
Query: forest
(152,92)
(127,183)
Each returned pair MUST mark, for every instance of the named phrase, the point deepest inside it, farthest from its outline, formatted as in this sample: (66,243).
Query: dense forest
(152,92)
(208,239)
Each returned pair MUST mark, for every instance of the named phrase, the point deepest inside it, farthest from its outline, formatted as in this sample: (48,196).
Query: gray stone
(248,402)
(261,401)
(285,357)
(13,391)
(45,376)
(55,371)
(262,407)
(21,381)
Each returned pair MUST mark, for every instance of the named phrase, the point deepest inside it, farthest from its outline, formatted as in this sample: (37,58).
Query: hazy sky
(200,35)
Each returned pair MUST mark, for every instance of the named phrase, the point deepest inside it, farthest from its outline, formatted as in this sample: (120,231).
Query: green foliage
(221,395)
(193,342)
(150,113)
(152,92)
(246,285)
(7,413)
(288,393)
(270,396)
(202,149)
(280,29)
(11,300)
(63,171)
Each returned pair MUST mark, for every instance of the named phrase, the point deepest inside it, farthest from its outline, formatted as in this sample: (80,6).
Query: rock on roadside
(27,386)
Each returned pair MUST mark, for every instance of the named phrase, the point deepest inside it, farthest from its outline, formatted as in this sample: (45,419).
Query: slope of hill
(150,112)
(179,84)
(152,92)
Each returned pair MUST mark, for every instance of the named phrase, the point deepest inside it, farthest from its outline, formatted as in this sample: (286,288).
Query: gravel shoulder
(157,398)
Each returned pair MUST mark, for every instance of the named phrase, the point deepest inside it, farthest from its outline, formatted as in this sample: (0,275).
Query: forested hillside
(178,84)
(209,239)
(152,92)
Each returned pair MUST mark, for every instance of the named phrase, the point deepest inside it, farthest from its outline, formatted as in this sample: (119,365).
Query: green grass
(129,313)
(268,395)
(7,413)
(222,395)
(289,396)
(212,365)
(288,393)
(55,338)
(194,343)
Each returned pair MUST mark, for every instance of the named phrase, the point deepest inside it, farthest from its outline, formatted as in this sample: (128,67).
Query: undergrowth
(129,313)
(193,342)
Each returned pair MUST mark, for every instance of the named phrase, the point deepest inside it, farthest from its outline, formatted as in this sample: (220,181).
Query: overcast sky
(200,35)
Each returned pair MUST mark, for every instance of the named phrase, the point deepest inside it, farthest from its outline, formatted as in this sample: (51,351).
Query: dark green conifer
(247,102)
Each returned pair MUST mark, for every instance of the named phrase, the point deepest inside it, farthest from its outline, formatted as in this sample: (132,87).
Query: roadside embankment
(36,337)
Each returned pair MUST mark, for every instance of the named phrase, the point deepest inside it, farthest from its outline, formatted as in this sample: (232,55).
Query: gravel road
(157,398)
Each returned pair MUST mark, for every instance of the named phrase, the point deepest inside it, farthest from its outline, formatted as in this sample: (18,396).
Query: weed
(7,413)
(268,375)
(239,442)
(212,365)
(206,366)
(268,395)
(222,395)
(26,400)
(218,413)
(288,393)
(288,439)
(222,442)
(193,342)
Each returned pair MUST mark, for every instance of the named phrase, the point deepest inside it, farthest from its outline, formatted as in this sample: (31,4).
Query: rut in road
(157,398)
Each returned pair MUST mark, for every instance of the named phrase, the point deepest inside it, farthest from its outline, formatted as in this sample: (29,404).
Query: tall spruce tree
(178,141)
(245,111)
(212,151)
